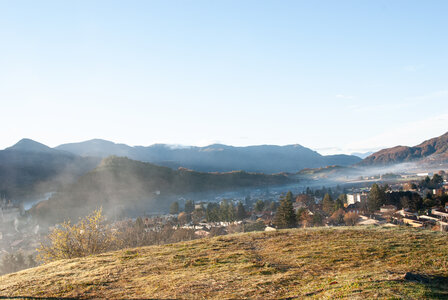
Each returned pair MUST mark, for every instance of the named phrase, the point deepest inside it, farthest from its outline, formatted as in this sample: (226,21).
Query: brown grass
(356,263)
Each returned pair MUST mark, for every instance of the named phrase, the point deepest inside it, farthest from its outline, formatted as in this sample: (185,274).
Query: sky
(334,76)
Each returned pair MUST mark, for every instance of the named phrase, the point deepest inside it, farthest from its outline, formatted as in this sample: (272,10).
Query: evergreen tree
(289,196)
(212,212)
(436,181)
(285,216)
(308,190)
(174,208)
(376,198)
(189,206)
(338,203)
(328,205)
(240,211)
(273,206)
(227,211)
(259,206)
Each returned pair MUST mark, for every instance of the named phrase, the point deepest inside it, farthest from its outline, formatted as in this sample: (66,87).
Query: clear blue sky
(335,76)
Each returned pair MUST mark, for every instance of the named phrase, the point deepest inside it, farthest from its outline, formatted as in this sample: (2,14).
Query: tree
(226,211)
(197,215)
(259,206)
(376,198)
(351,218)
(273,206)
(339,203)
(285,216)
(189,206)
(328,205)
(212,212)
(343,198)
(240,211)
(183,218)
(308,191)
(289,196)
(337,218)
(425,183)
(303,217)
(306,200)
(89,236)
(174,208)
(413,203)
(318,219)
(436,181)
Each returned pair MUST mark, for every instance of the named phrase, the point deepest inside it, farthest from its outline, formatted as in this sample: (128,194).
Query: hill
(329,172)
(433,149)
(355,263)
(120,184)
(29,167)
(216,158)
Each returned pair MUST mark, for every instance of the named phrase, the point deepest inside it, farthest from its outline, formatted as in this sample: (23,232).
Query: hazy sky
(335,76)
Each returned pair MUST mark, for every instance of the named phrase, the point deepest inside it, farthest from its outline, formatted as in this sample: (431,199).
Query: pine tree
(289,196)
(240,211)
(259,206)
(174,208)
(285,216)
(328,205)
(376,198)
(189,206)
(212,212)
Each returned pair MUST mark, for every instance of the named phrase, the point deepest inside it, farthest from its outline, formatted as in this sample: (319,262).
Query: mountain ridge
(436,147)
(216,157)
(28,168)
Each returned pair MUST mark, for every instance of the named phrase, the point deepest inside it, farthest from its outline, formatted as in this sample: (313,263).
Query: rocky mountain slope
(435,148)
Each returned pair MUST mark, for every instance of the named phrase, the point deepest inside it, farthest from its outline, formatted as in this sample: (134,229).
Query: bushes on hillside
(89,236)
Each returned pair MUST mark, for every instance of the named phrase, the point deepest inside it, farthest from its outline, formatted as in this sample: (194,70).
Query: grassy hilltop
(319,263)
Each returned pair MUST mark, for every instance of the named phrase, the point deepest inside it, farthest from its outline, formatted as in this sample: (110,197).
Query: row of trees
(258,206)
(432,183)
(225,212)
(287,218)
(407,200)
(188,208)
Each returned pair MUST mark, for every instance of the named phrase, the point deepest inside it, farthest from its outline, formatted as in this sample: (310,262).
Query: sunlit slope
(435,149)
(357,263)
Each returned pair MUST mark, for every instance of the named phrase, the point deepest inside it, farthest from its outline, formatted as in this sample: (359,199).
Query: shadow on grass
(437,286)
(33,298)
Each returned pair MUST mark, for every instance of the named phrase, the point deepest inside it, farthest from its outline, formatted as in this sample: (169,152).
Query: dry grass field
(323,263)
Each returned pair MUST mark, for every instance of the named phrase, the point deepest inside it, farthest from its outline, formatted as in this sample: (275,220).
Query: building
(352,198)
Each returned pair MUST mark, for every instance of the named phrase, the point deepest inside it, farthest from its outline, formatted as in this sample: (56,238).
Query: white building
(356,197)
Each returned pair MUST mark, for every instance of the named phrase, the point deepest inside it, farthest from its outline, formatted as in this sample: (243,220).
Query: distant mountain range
(435,149)
(29,167)
(216,158)
(119,184)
